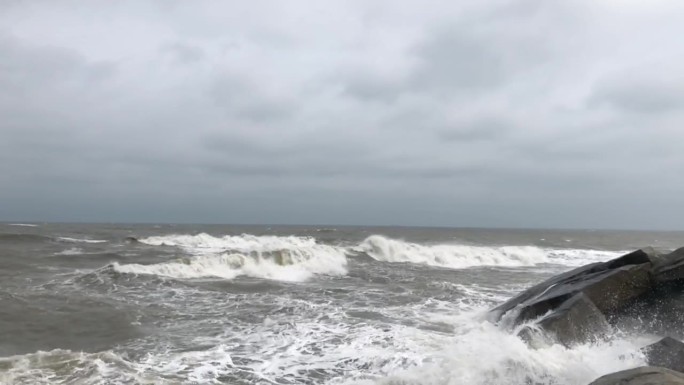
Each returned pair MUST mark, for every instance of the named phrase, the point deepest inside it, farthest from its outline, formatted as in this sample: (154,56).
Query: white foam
(579,257)
(316,343)
(71,251)
(79,240)
(67,367)
(22,224)
(205,243)
(299,349)
(460,256)
(477,352)
(451,256)
(271,257)
(484,354)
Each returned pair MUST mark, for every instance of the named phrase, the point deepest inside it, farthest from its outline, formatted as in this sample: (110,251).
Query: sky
(492,113)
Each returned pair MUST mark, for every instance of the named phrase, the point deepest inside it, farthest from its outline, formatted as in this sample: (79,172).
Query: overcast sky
(491,113)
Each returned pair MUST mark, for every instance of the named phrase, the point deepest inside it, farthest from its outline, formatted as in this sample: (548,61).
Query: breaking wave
(79,240)
(271,257)
(452,256)
(65,366)
(71,251)
(580,257)
(366,353)
(457,256)
(294,258)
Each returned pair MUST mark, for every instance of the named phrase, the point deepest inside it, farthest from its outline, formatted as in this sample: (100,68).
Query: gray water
(177,304)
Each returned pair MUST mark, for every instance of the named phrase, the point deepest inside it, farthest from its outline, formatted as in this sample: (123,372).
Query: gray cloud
(457,62)
(650,97)
(495,113)
(479,129)
(183,54)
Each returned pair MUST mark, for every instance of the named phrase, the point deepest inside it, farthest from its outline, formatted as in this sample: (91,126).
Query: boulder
(667,353)
(645,375)
(640,292)
(609,285)
(669,269)
(577,320)
(659,312)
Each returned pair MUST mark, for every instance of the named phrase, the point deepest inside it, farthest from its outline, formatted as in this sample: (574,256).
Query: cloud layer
(498,113)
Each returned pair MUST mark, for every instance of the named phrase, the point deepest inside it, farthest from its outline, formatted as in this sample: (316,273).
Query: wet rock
(669,269)
(577,320)
(659,313)
(640,292)
(609,285)
(646,375)
(666,353)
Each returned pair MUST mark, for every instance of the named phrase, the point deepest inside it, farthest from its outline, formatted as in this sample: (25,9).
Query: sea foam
(451,256)
(295,258)
(80,240)
(280,258)
(458,256)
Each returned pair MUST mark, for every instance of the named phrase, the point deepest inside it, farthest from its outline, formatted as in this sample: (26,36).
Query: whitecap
(79,240)
(71,251)
(457,256)
(270,257)
(450,255)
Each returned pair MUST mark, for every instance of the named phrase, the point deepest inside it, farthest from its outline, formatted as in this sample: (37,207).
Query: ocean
(219,304)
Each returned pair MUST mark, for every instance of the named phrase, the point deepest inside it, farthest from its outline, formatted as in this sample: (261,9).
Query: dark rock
(645,375)
(132,240)
(667,353)
(609,285)
(661,312)
(669,269)
(637,257)
(577,320)
(640,292)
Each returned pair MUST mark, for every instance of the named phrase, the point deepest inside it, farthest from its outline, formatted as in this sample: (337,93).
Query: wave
(22,224)
(323,346)
(294,258)
(205,243)
(270,257)
(580,257)
(36,238)
(64,366)
(71,251)
(452,256)
(79,240)
(457,256)
(481,354)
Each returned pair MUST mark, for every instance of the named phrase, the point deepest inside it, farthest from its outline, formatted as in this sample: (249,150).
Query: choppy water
(172,304)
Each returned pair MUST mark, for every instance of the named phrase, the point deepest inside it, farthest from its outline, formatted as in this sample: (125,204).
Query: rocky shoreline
(642,291)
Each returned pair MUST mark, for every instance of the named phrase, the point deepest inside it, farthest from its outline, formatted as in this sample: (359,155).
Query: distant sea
(196,304)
